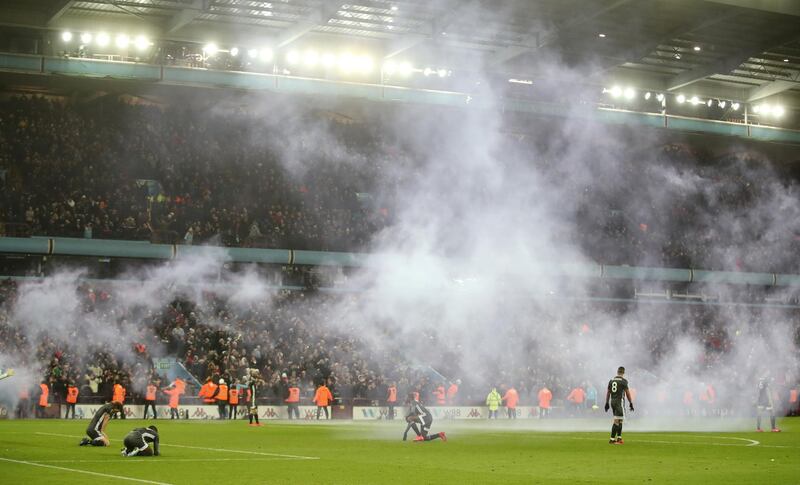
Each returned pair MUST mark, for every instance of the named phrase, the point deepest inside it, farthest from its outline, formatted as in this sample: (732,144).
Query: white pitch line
(106,475)
(703,443)
(166,460)
(260,453)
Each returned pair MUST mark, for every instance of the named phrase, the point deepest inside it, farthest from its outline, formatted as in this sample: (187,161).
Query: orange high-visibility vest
(545,396)
(233,396)
(207,391)
(151,393)
(119,393)
(222,395)
(793,396)
(174,397)
(576,395)
(511,398)
(72,394)
(44,395)
(451,392)
(323,396)
(294,394)
(180,385)
(392,394)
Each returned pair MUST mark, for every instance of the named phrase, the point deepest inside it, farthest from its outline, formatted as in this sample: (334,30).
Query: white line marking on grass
(167,460)
(260,453)
(106,475)
(703,443)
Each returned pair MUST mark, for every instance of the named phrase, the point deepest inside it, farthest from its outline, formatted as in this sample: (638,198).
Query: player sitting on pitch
(617,391)
(137,442)
(420,420)
(97,428)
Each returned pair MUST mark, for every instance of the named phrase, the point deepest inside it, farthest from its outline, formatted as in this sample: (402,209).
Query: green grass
(373,453)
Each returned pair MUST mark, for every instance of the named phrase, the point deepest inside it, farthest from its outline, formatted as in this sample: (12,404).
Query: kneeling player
(420,420)
(138,441)
(97,427)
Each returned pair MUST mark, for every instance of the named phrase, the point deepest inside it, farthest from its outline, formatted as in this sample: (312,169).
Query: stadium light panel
(601,35)
(709,102)
(678,56)
(616,92)
(786,60)
(697,48)
(66,36)
(311,58)
(234,51)
(647,95)
(442,72)
(735,106)
(660,97)
(629,93)
(122,41)
(86,37)
(680,99)
(265,55)
(211,49)
(405,69)
(427,71)
(103,39)
(695,100)
(393,8)
(141,42)
(722,104)
(757,109)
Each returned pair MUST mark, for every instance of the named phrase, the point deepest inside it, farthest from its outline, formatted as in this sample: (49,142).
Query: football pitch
(229,452)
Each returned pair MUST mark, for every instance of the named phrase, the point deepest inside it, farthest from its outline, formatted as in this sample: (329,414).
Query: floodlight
(722,104)
(629,93)
(757,109)
(310,58)
(735,106)
(427,71)
(86,37)
(265,55)
(234,51)
(393,8)
(709,102)
(647,95)
(697,48)
(66,36)
(211,49)
(103,39)
(602,36)
(766,109)
(616,92)
(442,72)
(660,97)
(141,42)
(778,111)
(695,100)
(405,69)
(786,60)
(680,99)
(122,41)
(678,56)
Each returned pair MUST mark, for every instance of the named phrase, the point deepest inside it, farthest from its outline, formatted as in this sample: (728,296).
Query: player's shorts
(618,410)
(762,408)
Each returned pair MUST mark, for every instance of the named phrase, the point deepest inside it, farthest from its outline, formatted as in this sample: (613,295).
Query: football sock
(772,421)
(415,428)
(758,422)
(614,430)
(432,437)
(619,430)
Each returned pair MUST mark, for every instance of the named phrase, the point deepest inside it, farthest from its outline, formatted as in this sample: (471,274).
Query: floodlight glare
(757,109)
(697,48)
(428,71)
(660,97)
(405,69)
(210,49)
(680,99)
(66,36)
(265,55)
(346,62)
(252,53)
(234,51)
(616,92)
(394,8)
(103,39)
(778,111)
(328,60)
(122,41)
(86,37)
(647,95)
(629,93)
(141,42)
(695,100)
(602,36)
(722,104)
(786,60)
(310,58)
(735,106)
(390,67)
(442,72)
(293,57)
(365,64)
(709,102)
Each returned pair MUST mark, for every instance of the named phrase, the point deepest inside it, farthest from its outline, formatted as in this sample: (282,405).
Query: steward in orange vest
(72,398)
(322,398)
(440,395)
(233,400)
(207,390)
(220,395)
(452,392)
(174,400)
(150,399)
(511,397)
(391,399)
(119,396)
(293,400)
(44,394)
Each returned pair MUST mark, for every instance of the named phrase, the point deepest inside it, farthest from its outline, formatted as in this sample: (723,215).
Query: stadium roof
(744,48)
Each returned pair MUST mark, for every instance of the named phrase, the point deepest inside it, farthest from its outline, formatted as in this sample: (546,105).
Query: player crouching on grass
(97,427)
(138,441)
(419,415)
(616,388)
